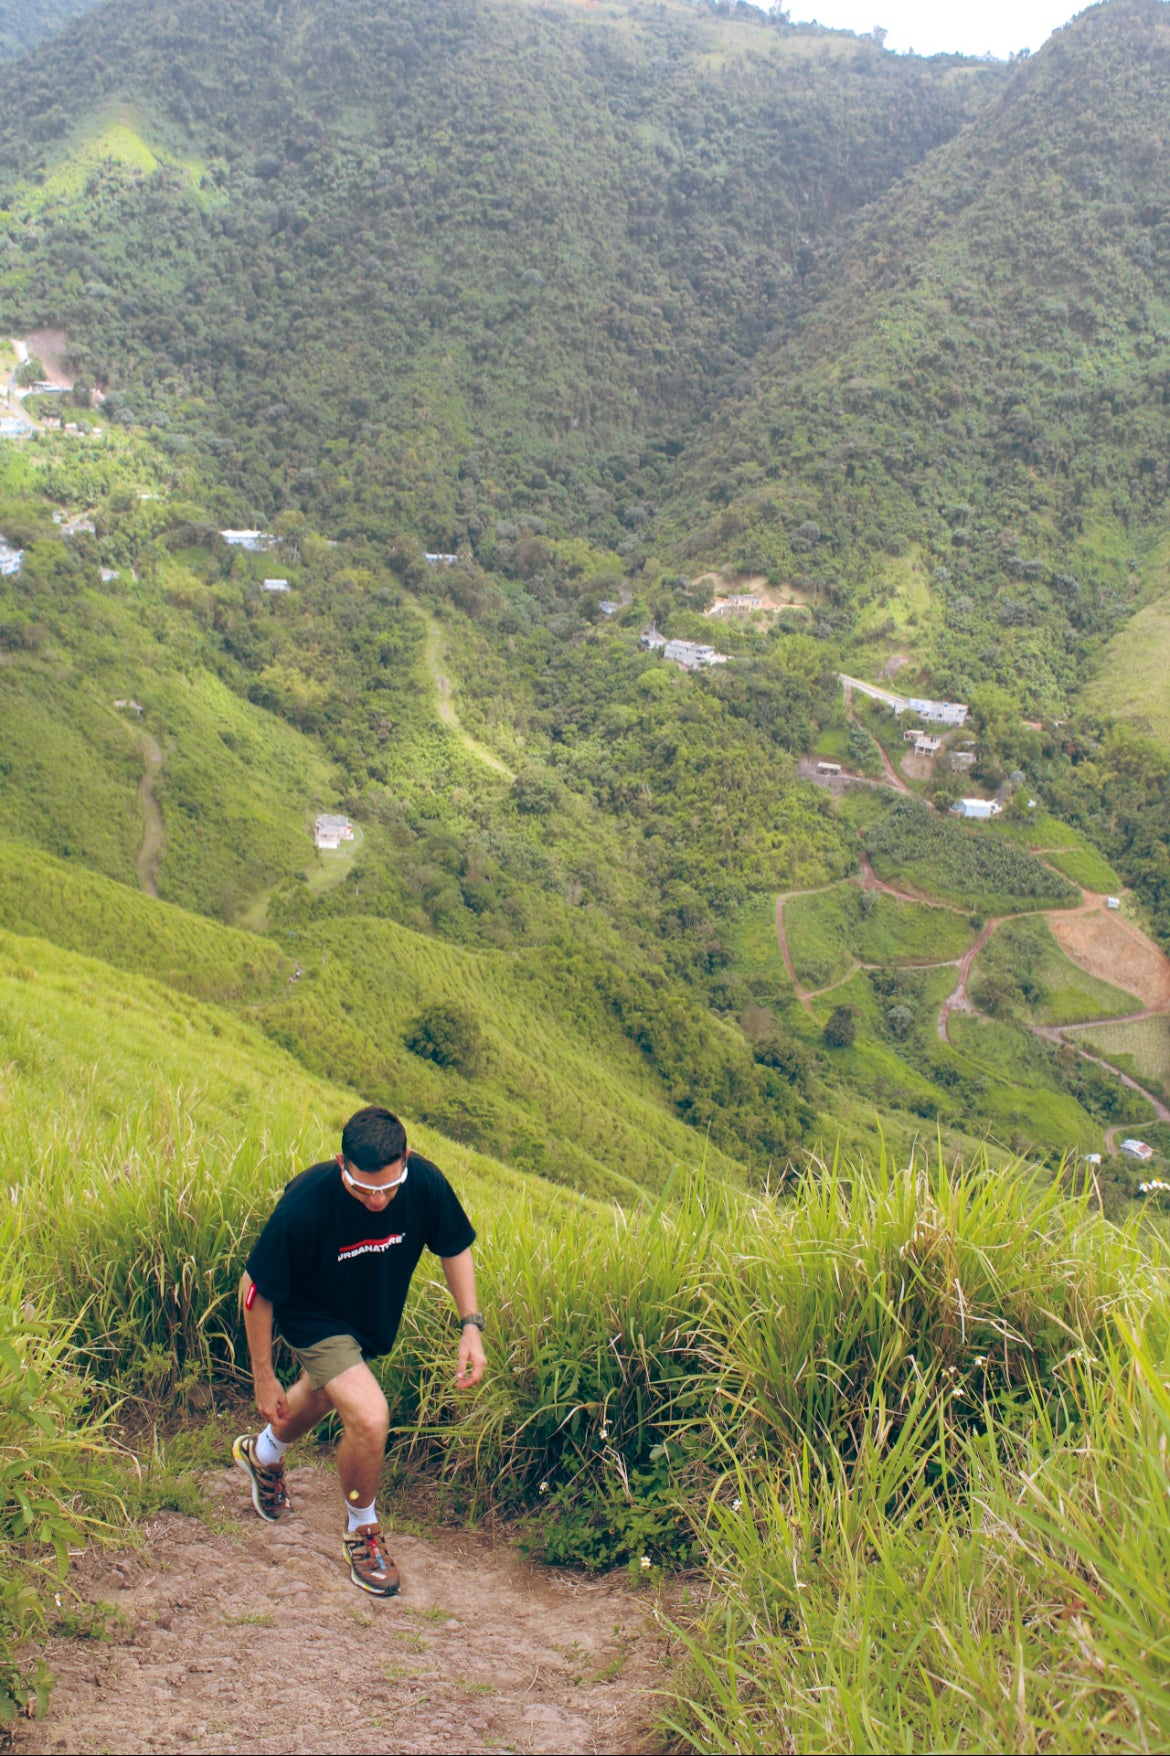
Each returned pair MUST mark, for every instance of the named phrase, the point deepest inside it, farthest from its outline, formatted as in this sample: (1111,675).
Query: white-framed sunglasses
(373,1188)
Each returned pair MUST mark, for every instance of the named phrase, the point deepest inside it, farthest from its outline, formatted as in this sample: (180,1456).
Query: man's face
(374,1189)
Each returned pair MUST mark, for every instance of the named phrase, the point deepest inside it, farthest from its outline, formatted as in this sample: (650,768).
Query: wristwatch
(475,1317)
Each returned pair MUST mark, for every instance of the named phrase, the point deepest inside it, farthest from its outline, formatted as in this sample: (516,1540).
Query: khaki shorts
(327,1359)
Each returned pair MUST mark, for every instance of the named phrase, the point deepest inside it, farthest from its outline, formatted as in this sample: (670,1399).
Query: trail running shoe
(370,1567)
(269,1490)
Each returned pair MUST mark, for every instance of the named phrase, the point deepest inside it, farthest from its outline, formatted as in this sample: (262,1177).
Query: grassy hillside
(1128,680)
(238,787)
(554,1087)
(81,911)
(1022,965)
(830,930)
(1022,1343)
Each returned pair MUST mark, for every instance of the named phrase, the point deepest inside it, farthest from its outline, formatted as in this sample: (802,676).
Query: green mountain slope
(557,1087)
(595,931)
(977,394)
(569,853)
(434,265)
(25,23)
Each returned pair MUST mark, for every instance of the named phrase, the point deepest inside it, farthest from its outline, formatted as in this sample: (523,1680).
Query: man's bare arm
(460,1273)
(270,1397)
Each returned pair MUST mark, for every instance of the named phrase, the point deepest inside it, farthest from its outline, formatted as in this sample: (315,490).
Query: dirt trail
(802,994)
(893,778)
(446,704)
(252,1639)
(146,863)
(871,881)
(1057,1033)
(956,1000)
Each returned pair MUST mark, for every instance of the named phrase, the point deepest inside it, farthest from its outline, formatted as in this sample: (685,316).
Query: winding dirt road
(958,1000)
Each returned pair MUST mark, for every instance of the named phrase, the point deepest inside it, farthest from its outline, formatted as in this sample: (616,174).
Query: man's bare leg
(254,1454)
(306,1408)
(357,1397)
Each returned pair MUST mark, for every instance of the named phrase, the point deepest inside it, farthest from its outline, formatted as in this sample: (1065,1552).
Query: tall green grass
(1000,1590)
(49,1494)
(910,1419)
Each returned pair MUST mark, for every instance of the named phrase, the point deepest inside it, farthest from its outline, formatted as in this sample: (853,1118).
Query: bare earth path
(446,705)
(251,1638)
(1091,937)
(956,1000)
(146,863)
(1097,940)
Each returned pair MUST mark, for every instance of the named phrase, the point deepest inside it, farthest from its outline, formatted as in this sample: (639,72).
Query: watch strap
(473,1317)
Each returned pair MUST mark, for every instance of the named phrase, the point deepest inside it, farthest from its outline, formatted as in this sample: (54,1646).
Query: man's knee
(371,1426)
(357,1397)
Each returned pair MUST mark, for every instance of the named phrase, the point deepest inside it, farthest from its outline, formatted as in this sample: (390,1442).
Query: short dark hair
(372,1138)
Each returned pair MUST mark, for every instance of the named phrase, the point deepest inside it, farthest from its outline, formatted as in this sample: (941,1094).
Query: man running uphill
(331,1270)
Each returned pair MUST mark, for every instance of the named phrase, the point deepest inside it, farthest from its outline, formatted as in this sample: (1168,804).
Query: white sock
(268,1449)
(358,1515)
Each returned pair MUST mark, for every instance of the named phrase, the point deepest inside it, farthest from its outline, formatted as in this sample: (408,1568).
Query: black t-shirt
(331,1267)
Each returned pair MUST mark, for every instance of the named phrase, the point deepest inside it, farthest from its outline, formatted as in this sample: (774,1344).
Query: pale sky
(968,27)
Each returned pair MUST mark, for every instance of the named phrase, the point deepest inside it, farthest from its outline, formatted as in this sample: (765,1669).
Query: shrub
(449,1036)
(840,1031)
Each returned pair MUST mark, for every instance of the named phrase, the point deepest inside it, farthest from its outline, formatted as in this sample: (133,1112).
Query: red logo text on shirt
(369,1247)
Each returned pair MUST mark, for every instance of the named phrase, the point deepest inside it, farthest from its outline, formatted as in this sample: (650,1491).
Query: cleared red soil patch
(50,347)
(1114,951)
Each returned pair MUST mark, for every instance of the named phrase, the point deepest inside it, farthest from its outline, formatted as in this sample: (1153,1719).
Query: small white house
(652,640)
(946,713)
(276,585)
(441,560)
(608,607)
(254,541)
(330,831)
(108,574)
(739,604)
(1137,1149)
(1113,902)
(977,809)
(691,655)
(1092,1158)
(828,768)
(10,558)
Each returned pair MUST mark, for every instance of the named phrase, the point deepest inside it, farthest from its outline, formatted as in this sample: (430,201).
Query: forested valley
(688,492)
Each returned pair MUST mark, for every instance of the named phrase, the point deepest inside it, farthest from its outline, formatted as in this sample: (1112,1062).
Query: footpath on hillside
(444,702)
(228,1634)
(1093,938)
(146,863)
